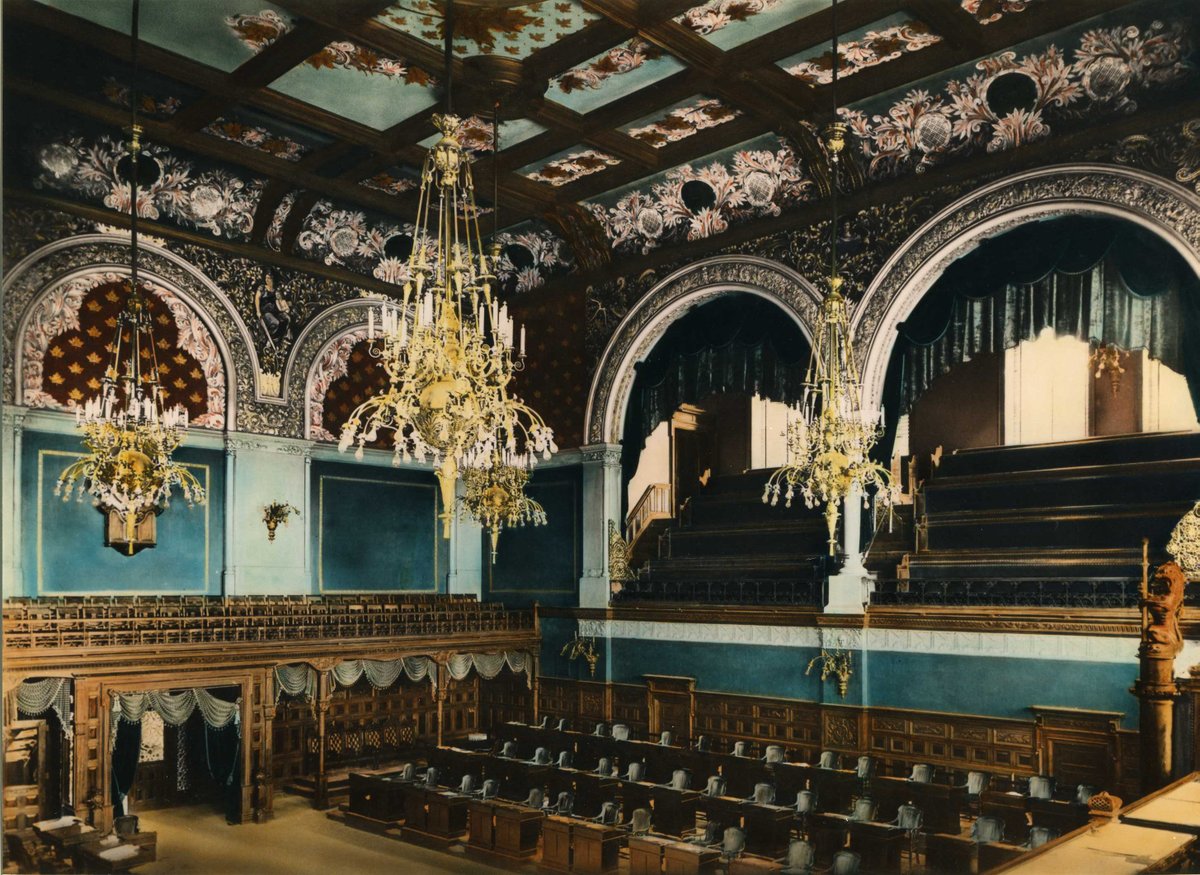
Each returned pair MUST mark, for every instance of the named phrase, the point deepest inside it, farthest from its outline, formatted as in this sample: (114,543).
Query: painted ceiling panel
(618,72)
(516,32)
(877,43)
(569,166)
(475,134)
(356,83)
(206,32)
(678,122)
(729,23)
(393,180)
(989,11)
(259,131)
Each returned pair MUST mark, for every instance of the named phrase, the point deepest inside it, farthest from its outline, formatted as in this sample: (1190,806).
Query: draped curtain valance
(1099,280)
(490,664)
(49,694)
(299,681)
(176,708)
(382,673)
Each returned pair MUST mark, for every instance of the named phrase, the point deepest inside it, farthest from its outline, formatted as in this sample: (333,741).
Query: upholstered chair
(565,804)
(806,802)
(610,814)
(922,773)
(431,777)
(125,825)
(987,829)
(536,798)
(666,739)
(681,779)
(799,860)
(562,724)
(564,759)
(976,783)
(1083,793)
(764,794)
(604,767)
(1039,835)
(599,730)
(1041,787)
(467,785)
(702,744)
(620,732)
(733,844)
(408,772)
(864,810)
(490,788)
(711,835)
(545,724)
(774,754)
(828,760)
(739,749)
(908,818)
(845,863)
(541,757)
(639,822)
(635,771)
(715,786)
(865,768)
(509,750)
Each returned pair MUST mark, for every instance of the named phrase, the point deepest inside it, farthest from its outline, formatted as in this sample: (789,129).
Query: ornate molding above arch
(1159,205)
(681,291)
(63,260)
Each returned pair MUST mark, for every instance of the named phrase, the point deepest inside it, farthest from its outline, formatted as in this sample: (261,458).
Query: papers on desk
(110,841)
(57,823)
(120,852)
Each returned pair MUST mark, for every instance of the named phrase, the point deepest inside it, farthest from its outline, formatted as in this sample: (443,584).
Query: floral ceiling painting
(256,131)
(172,188)
(348,238)
(683,120)
(476,135)
(868,47)
(728,24)
(759,178)
(197,30)
(66,348)
(274,235)
(618,72)
(1008,100)
(569,166)
(991,11)
(392,180)
(514,32)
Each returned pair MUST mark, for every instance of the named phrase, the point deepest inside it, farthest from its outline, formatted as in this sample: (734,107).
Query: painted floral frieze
(256,137)
(212,200)
(348,239)
(1012,99)
(529,256)
(148,104)
(719,14)
(517,31)
(274,235)
(572,166)
(991,11)
(624,58)
(259,29)
(684,121)
(389,184)
(873,48)
(697,201)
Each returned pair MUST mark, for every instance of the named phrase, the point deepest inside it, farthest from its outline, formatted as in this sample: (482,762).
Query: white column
(601,503)
(850,588)
(10,500)
(466,553)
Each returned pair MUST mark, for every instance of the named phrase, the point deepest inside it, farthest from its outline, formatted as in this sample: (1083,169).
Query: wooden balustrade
(655,504)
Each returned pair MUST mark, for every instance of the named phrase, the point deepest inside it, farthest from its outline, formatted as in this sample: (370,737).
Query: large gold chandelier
(829,443)
(450,350)
(495,497)
(129,432)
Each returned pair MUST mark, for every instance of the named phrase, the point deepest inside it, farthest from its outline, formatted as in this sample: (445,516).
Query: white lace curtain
(490,664)
(49,694)
(176,708)
(382,673)
(300,680)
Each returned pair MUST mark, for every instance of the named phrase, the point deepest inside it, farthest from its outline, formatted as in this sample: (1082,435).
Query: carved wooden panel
(629,706)
(504,698)
(726,719)
(950,741)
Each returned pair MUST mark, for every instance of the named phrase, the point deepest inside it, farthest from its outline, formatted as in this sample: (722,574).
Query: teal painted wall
(541,563)
(376,529)
(62,543)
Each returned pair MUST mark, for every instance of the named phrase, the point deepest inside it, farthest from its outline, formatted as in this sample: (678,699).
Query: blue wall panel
(376,529)
(63,550)
(541,563)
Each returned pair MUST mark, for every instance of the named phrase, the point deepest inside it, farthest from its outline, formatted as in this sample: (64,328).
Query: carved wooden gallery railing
(761,591)
(1074,592)
(113,621)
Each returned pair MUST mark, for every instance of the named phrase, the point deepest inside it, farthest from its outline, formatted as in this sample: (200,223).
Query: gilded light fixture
(449,346)
(495,497)
(275,513)
(1107,358)
(836,663)
(579,647)
(830,442)
(128,430)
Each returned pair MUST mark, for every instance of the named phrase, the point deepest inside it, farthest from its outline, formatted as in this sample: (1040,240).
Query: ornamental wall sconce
(582,647)
(275,513)
(836,662)
(1107,358)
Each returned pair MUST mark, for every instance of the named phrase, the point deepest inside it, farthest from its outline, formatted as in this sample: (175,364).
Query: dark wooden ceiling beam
(268,203)
(294,220)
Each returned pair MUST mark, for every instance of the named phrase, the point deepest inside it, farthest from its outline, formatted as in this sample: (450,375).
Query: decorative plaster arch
(62,261)
(666,302)
(1169,210)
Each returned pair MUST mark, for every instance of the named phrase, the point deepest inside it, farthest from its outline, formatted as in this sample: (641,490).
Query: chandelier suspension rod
(833,182)
(448,49)
(496,173)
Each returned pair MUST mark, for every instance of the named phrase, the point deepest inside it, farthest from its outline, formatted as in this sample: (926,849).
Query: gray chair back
(806,802)
(828,760)
(509,749)
(800,857)
(545,724)
(666,739)
(620,732)
(681,779)
(562,724)
(639,823)
(599,730)
(864,810)
(733,844)
(711,835)
(976,783)
(987,829)
(845,863)
(467,785)
(536,798)
(431,776)
(125,825)
(865,767)
(739,748)
(541,757)
(1083,793)
(715,786)
(564,759)
(764,794)
(908,818)
(922,773)
(635,772)
(774,754)
(604,767)
(702,744)
(1039,835)
(1040,787)
(490,788)
(609,813)
(408,772)
(566,803)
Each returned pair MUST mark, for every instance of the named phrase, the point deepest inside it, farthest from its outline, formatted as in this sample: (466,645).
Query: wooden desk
(878,844)
(1010,808)
(1062,817)
(90,858)
(447,813)
(827,832)
(941,805)
(1113,848)
(1175,807)
(680,858)
(595,847)
(646,855)
(517,830)
(674,810)
(556,843)
(65,839)
(950,854)
(768,828)
(481,825)
(751,865)
(995,854)
(377,797)
(414,806)
(635,795)
(725,810)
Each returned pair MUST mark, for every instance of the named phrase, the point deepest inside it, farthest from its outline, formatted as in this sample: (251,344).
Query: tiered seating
(731,548)
(1056,525)
(113,621)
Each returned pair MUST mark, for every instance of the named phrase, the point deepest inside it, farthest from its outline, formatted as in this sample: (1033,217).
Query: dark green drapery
(127,751)
(1099,280)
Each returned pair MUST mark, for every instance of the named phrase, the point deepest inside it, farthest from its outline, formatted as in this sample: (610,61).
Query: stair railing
(655,504)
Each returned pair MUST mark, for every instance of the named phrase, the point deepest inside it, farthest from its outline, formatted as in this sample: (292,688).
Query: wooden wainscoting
(1084,746)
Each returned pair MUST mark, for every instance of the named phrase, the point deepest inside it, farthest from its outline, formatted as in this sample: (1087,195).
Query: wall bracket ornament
(834,663)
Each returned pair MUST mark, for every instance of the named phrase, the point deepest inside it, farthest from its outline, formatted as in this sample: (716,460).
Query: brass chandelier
(451,350)
(128,430)
(829,444)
